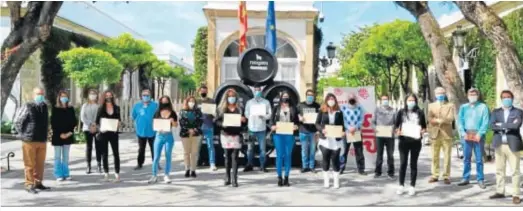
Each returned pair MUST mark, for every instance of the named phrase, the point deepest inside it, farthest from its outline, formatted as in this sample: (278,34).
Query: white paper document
(208,108)
(353,138)
(384,131)
(232,120)
(411,130)
(258,110)
(162,125)
(109,125)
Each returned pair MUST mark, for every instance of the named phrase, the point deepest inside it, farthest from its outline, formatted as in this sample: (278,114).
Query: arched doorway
(289,65)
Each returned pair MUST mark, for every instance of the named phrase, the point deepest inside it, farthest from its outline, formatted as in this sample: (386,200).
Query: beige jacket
(446,114)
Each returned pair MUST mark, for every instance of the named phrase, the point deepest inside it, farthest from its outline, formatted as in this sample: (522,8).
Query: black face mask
(109,100)
(285,100)
(204,94)
(163,105)
(352,101)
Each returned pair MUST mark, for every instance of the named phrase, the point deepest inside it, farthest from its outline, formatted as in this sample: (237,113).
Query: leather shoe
(280,182)
(497,196)
(446,181)
(286,182)
(31,189)
(463,183)
(42,187)
(516,200)
(433,180)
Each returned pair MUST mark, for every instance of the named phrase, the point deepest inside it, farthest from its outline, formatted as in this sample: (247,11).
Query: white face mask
(191,104)
(473,99)
(331,103)
(92,97)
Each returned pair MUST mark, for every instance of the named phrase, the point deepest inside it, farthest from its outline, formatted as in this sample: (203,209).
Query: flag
(270,29)
(242,15)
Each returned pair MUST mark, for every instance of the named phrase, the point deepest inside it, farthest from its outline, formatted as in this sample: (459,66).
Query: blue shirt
(506,112)
(352,117)
(473,117)
(257,123)
(143,118)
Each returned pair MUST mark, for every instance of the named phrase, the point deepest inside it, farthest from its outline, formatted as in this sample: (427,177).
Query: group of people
(259,119)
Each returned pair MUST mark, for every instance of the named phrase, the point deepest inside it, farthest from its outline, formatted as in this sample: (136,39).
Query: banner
(367,101)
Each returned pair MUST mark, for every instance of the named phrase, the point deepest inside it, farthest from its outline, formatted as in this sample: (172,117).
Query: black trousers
(91,138)
(110,138)
(388,144)
(142,144)
(231,162)
(360,158)
(406,146)
(329,156)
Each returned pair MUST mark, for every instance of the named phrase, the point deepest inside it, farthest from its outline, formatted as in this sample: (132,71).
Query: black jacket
(32,122)
(306,108)
(323,119)
(421,121)
(230,130)
(102,113)
(63,120)
(194,122)
(276,115)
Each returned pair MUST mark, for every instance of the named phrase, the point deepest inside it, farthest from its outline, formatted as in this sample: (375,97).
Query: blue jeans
(159,142)
(260,136)
(208,136)
(308,150)
(284,145)
(468,147)
(61,161)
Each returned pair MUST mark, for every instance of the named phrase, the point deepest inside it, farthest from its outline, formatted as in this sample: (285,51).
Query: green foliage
(7,127)
(514,22)
(318,39)
(200,56)
(130,52)
(90,67)
(79,137)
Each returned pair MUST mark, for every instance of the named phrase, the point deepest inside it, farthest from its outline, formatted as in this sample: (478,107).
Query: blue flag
(270,29)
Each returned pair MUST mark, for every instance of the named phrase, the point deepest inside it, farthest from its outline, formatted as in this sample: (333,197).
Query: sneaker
(312,170)
(116,177)
(377,176)
(213,167)
(106,177)
(401,190)
(482,185)
(247,168)
(391,177)
(60,179)
(304,170)
(412,191)
(69,178)
(363,173)
(463,183)
(31,189)
(153,180)
(166,179)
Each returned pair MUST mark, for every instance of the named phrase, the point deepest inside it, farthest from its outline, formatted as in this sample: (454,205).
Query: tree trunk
(493,27)
(27,34)
(425,83)
(441,55)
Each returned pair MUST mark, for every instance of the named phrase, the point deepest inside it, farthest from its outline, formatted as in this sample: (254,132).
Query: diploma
(285,128)
(411,130)
(258,110)
(109,125)
(310,118)
(209,108)
(334,131)
(384,131)
(162,125)
(232,120)
(353,138)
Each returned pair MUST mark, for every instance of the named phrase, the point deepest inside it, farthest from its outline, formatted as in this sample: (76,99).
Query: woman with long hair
(230,137)
(63,122)
(109,110)
(190,132)
(330,114)
(408,118)
(165,111)
(284,143)
(88,117)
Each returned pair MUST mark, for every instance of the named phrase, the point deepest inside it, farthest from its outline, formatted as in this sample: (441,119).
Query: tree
(162,72)
(28,31)
(441,56)
(200,55)
(493,27)
(90,67)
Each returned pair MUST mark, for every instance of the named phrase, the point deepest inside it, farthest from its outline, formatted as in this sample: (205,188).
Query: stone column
(308,70)
(211,56)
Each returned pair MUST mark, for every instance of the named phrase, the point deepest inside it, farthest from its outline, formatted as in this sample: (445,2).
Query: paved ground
(256,189)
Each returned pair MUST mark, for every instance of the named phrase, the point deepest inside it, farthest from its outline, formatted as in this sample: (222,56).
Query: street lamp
(458,37)
(331,51)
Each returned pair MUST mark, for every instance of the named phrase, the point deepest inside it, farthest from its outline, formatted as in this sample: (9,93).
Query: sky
(171,26)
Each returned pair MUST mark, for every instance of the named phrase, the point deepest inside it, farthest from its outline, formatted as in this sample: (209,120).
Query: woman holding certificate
(190,132)
(330,124)
(164,120)
(284,121)
(230,120)
(63,121)
(108,118)
(410,123)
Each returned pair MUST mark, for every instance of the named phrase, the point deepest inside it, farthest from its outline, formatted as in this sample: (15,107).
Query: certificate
(310,118)
(411,130)
(162,125)
(232,120)
(285,128)
(334,131)
(209,108)
(384,131)
(354,138)
(258,110)
(109,125)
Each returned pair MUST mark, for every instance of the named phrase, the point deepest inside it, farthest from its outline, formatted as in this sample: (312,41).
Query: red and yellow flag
(242,15)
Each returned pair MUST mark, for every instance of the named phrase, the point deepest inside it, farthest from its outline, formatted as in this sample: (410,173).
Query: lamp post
(465,73)
(331,52)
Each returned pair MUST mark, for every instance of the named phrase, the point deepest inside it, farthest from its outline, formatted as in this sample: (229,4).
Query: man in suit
(506,124)
(441,116)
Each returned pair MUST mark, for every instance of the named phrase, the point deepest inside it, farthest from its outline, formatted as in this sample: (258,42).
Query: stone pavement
(255,189)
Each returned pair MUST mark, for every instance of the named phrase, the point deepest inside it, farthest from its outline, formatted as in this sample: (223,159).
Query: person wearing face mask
(410,115)
(142,114)
(473,122)
(207,126)
(257,126)
(441,116)
(190,132)
(384,116)
(353,119)
(31,125)
(284,112)
(88,117)
(109,110)
(330,114)
(63,122)
(506,123)
(307,133)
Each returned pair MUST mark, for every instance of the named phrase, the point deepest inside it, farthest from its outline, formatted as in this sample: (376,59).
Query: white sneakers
(326,179)
(60,179)
(336,178)
(153,179)
(116,177)
(213,167)
(401,190)
(69,178)
(106,177)
(166,179)
(412,191)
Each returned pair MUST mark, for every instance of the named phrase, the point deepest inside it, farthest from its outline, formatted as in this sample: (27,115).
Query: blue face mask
(257,94)
(440,97)
(385,102)
(146,98)
(507,102)
(411,104)
(310,99)
(39,99)
(64,99)
(231,100)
